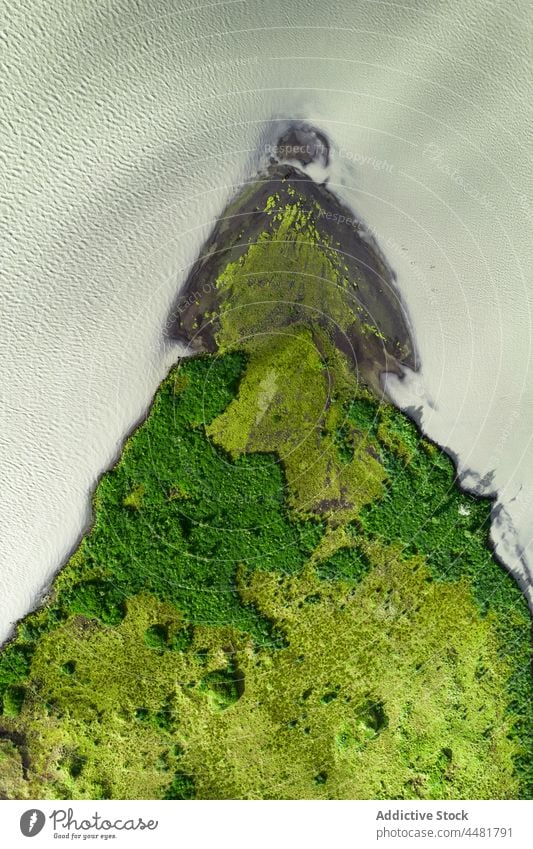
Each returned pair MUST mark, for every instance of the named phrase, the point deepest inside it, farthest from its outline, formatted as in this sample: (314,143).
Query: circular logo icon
(32,822)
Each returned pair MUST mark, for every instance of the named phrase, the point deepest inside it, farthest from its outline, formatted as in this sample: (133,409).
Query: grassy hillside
(284,593)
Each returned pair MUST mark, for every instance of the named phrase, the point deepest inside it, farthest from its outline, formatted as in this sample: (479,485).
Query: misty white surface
(125,128)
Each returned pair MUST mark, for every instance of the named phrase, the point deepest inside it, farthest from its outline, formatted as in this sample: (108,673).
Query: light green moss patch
(284,406)
(288,276)
(392,688)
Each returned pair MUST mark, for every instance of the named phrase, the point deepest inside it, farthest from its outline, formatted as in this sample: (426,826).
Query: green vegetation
(284,594)
(289,276)
(285,405)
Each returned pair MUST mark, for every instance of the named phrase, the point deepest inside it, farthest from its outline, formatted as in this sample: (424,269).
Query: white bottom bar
(267,825)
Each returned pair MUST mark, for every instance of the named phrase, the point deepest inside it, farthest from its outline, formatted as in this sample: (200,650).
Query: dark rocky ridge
(372,291)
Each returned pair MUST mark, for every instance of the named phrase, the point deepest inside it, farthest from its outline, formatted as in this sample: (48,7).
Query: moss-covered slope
(287,252)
